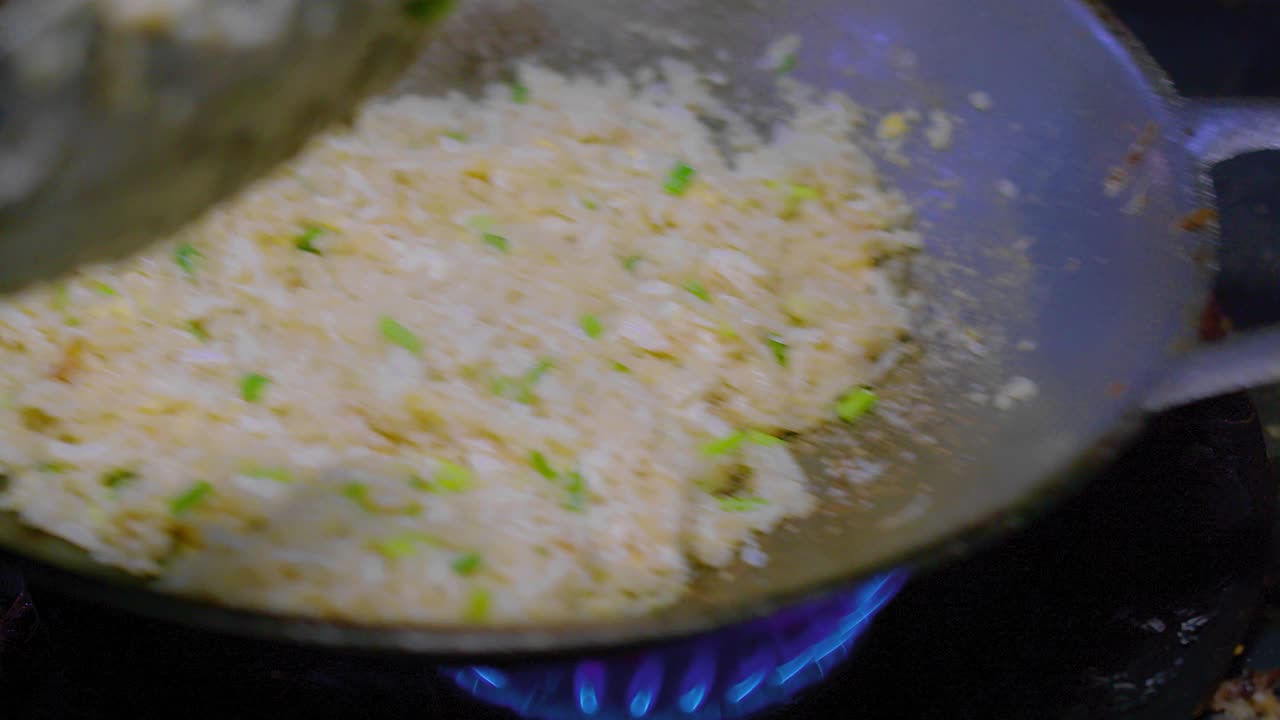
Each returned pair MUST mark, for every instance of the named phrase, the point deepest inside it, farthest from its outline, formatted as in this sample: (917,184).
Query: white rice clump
(465,361)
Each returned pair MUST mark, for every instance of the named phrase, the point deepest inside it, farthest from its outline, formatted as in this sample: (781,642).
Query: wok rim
(510,643)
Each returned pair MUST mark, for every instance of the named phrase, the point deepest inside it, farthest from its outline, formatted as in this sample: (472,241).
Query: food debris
(1008,189)
(980,100)
(1119,176)
(1017,390)
(780,56)
(893,126)
(1250,697)
(72,361)
(1198,220)
(940,131)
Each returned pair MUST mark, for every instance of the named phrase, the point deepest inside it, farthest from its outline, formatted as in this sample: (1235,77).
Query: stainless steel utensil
(119,123)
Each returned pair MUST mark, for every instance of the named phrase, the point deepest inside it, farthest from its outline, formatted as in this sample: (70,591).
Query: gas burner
(729,674)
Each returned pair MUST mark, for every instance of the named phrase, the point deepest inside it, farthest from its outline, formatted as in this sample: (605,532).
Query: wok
(1053,253)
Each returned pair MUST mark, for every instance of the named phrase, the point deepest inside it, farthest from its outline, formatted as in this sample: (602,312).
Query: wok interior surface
(1032,269)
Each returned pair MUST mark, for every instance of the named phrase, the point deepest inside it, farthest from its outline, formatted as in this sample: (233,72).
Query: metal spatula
(122,119)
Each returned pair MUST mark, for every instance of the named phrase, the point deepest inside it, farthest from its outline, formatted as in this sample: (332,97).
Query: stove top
(1132,601)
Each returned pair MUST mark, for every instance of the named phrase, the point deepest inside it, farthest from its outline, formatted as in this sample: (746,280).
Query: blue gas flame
(725,675)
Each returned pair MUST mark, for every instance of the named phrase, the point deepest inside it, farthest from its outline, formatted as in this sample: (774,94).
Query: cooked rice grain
(361,354)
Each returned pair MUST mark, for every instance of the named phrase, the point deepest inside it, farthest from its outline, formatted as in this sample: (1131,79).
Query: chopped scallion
(795,196)
(399,335)
(481,223)
(779,348)
(497,242)
(542,368)
(621,368)
(359,493)
(743,504)
(455,135)
(51,467)
(117,478)
(521,389)
(479,603)
(188,500)
(630,262)
(519,93)
(468,563)
(405,544)
(724,445)
(786,65)
(591,325)
(188,258)
(253,386)
(679,179)
(61,298)
(590,204)
(855,404)
(449,478)
(576,486)
(696,289)
(105,289)
(427,11)
(197,330)
(759,438)
(305,241)
(539,463)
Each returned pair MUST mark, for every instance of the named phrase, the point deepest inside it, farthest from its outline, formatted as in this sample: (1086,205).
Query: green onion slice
(539,463)
(479,604)
(591,325)
(359,493)
(118,478)
(449,478)
(724,445)
(187,501)
(779,348)
(498,243)
(576,486)
(521,389)
(696,289)
(188,258)
(468,563)
(741,504)
(399,335)
(679,179)
(197,330)
(405,544)
(482,223)
(427,11)
(855,404)
(253,386)
(759,438)
(305,240)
